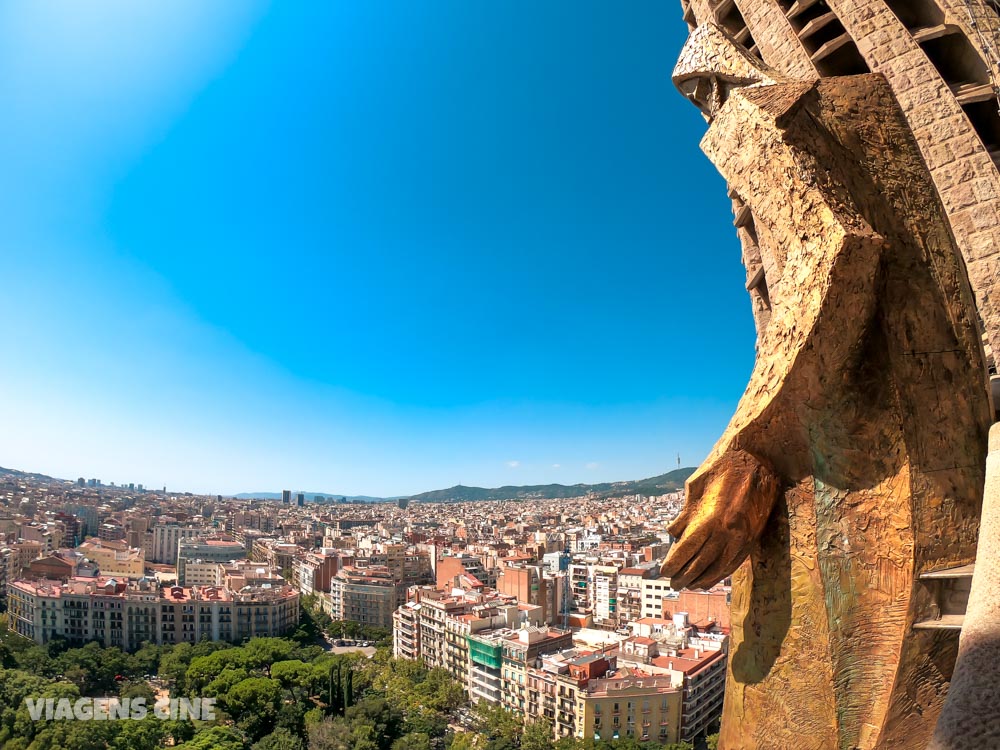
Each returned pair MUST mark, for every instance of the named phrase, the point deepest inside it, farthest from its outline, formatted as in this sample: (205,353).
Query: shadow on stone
(770,612)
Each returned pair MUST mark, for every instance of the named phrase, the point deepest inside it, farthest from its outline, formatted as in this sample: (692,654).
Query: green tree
(214,738)
(261,653)
(36,661)
(7,658)
(75,735)
(204,669)
(537,735)
(462,741)
(137,689)
(145,661)
(330,734)
(174,663)
(347,684)
(292,716)
(413,741)
(292,673)
(334,698)
(253,705)
(376,712)
(501,728)
(146,734)
(280,739)
(224,682)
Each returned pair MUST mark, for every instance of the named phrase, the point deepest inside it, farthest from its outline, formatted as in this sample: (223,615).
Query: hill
(669,482)
(29,475)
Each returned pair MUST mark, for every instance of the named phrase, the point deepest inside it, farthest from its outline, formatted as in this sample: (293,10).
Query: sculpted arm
(820,310)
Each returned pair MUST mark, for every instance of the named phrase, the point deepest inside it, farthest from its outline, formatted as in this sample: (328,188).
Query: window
(729,17)
(824,37)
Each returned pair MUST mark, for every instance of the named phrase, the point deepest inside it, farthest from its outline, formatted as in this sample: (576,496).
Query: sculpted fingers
(694,489)
(683,551)
(726,512)
(723,566)
(706,556)
(677,526)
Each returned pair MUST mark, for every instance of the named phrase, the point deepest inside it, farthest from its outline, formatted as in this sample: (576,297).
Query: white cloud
(556,466)
(592,465)
(513,464)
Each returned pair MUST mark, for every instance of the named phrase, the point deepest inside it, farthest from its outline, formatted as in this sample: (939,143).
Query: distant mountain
(669,482)
(30,475)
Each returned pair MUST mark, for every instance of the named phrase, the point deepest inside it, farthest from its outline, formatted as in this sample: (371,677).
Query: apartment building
(202,573)
(406,632)
(20,555)
(166,538)
(695,663)
(114,559)
(315,570)
(587,695)
(629,703)
(450,566)
(630,593)
(435,625)
(119,613)
(580,587)
(654,591)
(208,550)
(703,608)
(49,536)
(275,553)
(484,681)
(521,651)
(365,595)
(605,596)
(5,555)
(533,584)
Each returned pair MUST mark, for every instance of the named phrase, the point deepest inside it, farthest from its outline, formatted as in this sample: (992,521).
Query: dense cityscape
(550,611)
(394,246)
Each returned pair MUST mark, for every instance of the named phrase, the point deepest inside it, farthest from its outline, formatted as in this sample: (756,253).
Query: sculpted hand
(727,507)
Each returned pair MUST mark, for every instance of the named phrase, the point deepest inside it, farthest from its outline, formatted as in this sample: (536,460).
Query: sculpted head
(712,64)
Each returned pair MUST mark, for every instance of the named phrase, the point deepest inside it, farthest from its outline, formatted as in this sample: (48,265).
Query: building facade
(166,537)
(368,596)
(205,551)
(118,613)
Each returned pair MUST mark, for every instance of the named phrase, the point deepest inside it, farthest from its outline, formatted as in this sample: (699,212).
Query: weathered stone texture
(776,39)
(970,718)
(985,16)
(855,455)
(964,174)
(868,210)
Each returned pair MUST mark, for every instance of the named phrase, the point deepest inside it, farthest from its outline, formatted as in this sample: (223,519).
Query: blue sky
(377,247)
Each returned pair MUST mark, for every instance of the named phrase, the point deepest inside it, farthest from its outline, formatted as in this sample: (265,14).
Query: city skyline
(378,249)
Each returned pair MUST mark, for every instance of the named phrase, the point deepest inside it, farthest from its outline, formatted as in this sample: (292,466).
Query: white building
(166,538)
(653,592)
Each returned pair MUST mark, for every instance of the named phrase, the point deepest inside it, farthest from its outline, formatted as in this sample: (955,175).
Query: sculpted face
(711,65)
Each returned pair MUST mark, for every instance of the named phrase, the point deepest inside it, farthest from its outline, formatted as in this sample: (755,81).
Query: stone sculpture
(855,459)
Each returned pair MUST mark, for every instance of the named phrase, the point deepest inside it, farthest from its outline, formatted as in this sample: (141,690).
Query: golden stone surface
(855,459)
